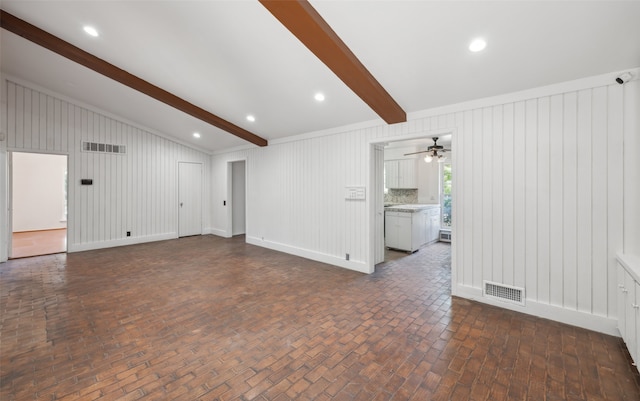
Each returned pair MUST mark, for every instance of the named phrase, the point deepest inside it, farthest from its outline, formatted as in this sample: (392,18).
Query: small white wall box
(355,193)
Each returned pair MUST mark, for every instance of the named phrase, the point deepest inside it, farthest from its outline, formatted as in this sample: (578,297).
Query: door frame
(9,198)
(375,234)
(229,230)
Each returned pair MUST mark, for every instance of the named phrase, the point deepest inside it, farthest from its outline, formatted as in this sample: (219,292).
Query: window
(445,200)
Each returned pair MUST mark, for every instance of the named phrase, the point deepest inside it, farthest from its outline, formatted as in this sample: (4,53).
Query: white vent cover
(445,236)
(503,292)
(103,148)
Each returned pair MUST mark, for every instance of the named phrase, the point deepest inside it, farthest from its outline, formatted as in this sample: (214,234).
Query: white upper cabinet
(401,173)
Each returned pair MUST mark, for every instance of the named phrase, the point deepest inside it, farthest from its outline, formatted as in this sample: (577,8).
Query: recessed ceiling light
(251,118)
(319,97)
(90,30)
(196,135)
(477,45)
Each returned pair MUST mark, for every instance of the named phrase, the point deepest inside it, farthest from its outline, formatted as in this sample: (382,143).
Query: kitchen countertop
(411,208)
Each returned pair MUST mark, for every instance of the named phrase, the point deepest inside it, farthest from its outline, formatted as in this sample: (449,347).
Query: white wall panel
(133,192)
(531,198)
(543,143)
(538,183)
(584,202)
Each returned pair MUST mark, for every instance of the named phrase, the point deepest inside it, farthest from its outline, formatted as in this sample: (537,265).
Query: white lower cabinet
(401,231)
(408,231)
(629,311)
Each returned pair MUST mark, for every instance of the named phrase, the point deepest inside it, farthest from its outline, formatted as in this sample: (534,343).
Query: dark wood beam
(73,53)
(299,17)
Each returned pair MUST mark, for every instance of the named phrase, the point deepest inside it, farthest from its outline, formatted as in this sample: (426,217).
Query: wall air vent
(503,292)
(103,148)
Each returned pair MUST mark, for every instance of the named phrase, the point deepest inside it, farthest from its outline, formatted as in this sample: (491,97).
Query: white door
(189,199)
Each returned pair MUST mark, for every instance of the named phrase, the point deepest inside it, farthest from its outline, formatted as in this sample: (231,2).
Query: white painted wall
(134,192)
(539,186)
(38,191)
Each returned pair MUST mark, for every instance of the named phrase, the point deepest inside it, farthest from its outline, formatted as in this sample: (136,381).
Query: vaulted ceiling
(235,58)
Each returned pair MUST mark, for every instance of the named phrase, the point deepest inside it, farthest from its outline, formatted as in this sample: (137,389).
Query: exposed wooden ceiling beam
(312,30)
(73,53)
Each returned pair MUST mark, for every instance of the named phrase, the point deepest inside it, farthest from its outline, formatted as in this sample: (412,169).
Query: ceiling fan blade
(415,153)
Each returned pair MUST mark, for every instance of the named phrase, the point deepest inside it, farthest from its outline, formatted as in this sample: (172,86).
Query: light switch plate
(355,193)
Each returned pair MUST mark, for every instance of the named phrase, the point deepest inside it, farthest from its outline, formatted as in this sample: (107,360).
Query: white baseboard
(356,265)
(219,232)
(120,242)
(584,320)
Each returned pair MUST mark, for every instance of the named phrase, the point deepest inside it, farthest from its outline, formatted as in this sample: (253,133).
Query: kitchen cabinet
(402,230)
(401,173)
(629,309)
(408,227)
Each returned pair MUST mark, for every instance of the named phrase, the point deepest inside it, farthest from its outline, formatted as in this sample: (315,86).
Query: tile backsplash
(401,196)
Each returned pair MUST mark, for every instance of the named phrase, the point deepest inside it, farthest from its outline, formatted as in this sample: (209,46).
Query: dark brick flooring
(206,318)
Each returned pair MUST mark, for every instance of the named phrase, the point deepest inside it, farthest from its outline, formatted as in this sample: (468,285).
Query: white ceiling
(234,58)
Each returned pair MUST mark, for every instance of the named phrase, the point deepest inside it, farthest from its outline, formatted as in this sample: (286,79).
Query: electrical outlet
(346,256)
(128,233)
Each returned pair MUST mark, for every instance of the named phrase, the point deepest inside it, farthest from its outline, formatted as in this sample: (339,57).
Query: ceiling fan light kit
(432,152)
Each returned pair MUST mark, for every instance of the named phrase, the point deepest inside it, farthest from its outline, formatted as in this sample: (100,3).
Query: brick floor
(206,318)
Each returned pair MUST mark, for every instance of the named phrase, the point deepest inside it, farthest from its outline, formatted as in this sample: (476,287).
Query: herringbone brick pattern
(206,318)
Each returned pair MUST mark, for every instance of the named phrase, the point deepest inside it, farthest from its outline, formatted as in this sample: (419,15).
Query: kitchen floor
(392,255)
(209,318)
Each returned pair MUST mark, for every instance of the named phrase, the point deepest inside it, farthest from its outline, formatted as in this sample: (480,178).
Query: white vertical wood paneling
(488,177)
(543,143)
(531,198)
(19,122)
(457,190)
(615,186)
(556,192)
(519,206)
(466,173)
(583,207)
(134,192)
(508,194)
(569,201)
(497,218)
(477,209)
(599,197)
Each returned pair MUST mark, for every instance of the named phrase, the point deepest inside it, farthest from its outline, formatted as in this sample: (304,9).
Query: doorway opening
(38,218)
(237,213)
(409,216)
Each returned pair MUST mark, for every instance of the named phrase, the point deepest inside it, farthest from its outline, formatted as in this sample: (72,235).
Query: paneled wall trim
(134,192)
(539,194)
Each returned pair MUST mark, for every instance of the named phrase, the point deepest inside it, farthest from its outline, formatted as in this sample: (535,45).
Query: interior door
(189,199)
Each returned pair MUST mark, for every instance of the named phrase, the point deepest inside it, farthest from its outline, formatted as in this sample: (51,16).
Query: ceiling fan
(432,152)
